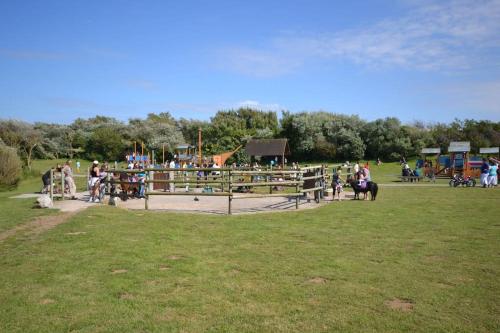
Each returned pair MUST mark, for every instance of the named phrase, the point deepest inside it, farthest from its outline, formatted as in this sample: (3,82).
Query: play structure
(185,152)
(429,162)
(230,183)
(459,160)
(221,159)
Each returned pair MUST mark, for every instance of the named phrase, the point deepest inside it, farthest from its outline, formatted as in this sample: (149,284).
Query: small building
(185,152)
(275,149)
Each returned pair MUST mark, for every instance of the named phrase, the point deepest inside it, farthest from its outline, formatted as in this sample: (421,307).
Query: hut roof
(184,146)
(431,151)
(267,147)
(491,150)
(459,147)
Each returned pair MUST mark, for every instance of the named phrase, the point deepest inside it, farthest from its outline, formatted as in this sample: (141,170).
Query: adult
(171,176)
(492,176)
(366,173)
(94,182)
(485,170)
(46,182)
(67,173)
(356,168)
(141,179)
(215,172)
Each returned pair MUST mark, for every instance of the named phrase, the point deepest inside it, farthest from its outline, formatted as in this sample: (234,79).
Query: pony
(371,187)
(127,186)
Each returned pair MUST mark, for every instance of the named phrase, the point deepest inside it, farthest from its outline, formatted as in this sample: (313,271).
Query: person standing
(485,170)
(171,175)
(94,182)
(356,168)
(78,166)
(67,172)
(46,182)
(492,177)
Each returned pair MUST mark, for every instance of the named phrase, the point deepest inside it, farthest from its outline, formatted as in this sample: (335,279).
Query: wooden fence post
(297,189)
(62,184)
(230,186)
(108,182)
(146,196)
(88,179)
(52,184)
(269,179)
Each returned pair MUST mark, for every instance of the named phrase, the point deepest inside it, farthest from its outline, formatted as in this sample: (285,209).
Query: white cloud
(452,35)
(258,105)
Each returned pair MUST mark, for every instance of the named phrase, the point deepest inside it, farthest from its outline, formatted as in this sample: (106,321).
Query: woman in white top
(94,182)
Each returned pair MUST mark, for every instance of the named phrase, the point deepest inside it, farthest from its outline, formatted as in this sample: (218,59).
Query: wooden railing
(227,180)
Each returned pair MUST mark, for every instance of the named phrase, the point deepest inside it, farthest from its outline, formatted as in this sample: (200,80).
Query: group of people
(360,173)
(406,171)
(98,174)
(66,173)
(489,172)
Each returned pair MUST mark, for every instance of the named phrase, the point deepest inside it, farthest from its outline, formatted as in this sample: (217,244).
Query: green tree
(106,144)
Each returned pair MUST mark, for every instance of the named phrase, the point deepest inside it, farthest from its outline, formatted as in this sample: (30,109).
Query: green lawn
(18,211)
(332,269)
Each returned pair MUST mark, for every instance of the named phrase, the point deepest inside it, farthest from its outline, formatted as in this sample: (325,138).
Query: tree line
(312,135)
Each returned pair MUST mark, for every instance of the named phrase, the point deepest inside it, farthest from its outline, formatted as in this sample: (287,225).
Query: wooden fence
(226,182)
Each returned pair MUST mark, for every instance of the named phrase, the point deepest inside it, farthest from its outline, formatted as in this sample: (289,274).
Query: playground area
(208,190)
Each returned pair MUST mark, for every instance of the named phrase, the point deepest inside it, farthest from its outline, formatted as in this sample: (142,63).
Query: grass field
(419,259)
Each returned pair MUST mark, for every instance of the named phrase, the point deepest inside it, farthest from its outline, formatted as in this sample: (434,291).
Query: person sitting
(417,173)
(360,175)
(366,173)
(405,172)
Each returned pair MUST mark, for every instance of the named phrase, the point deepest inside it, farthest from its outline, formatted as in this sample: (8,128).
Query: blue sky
(416,60)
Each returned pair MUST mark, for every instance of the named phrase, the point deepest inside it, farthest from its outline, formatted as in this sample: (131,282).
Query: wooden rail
(227,179)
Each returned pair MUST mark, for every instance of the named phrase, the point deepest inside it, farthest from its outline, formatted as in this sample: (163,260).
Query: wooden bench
(411,178)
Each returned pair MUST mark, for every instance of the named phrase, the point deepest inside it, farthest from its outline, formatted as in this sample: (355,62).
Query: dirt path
(37,226)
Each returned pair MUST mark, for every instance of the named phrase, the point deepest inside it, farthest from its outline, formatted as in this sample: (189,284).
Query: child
(337,183)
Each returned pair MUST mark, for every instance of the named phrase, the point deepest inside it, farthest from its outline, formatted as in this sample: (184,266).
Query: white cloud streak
(452,35)
(259,106)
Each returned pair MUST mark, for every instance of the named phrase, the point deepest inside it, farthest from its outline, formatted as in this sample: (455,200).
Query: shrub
(10,167)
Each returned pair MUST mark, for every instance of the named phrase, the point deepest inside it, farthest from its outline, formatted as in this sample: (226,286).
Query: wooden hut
(274,148)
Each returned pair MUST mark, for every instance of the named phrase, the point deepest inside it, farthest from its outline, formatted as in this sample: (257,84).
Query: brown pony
(128,188)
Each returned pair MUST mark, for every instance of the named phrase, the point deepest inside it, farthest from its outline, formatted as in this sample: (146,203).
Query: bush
(10,168)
